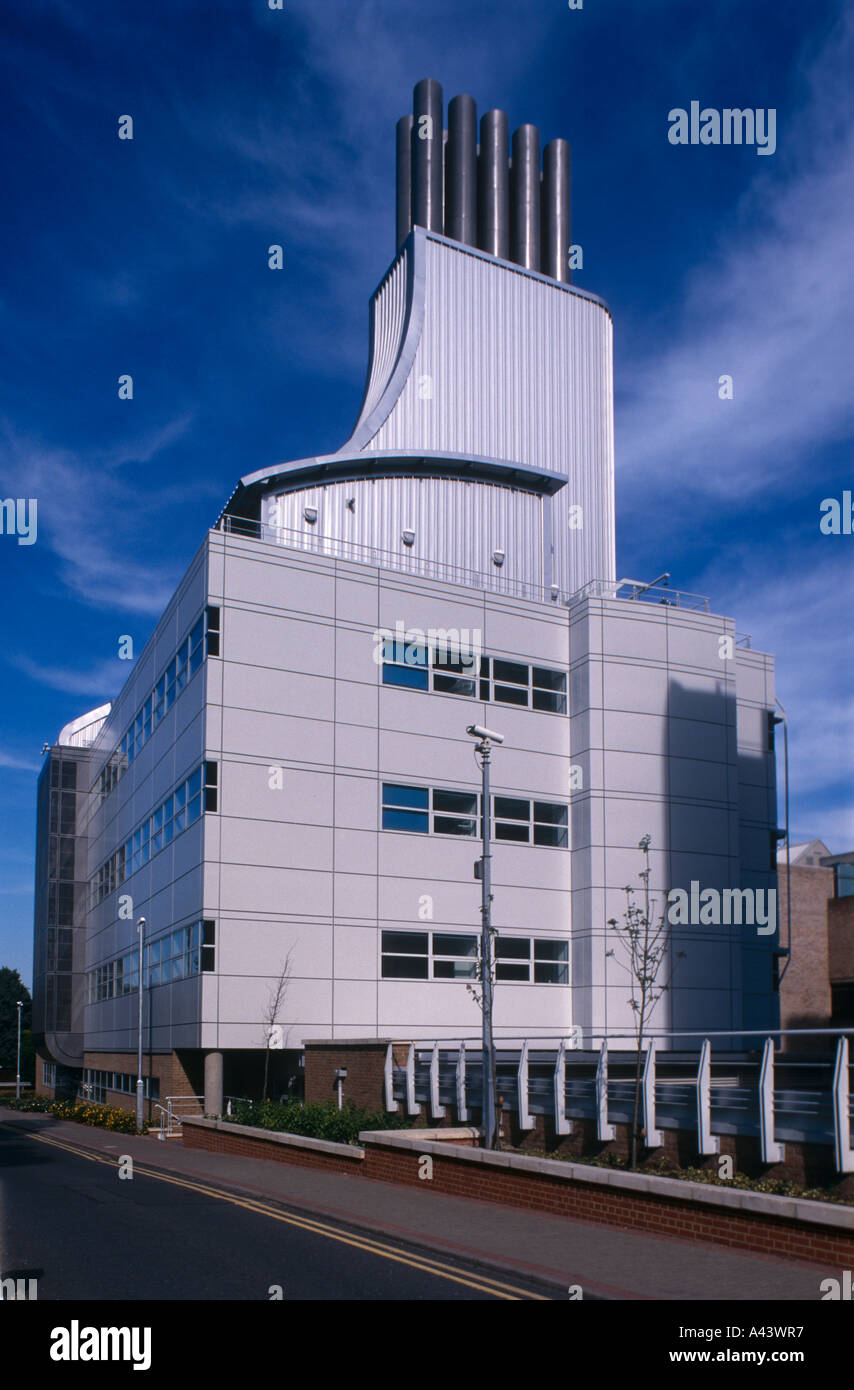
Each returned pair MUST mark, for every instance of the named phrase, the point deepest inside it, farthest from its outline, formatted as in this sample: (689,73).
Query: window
(213,631)
(405,955)
(174,815)
(454,813)
(405,664)
(448,670)
(208,946)
(211,771)
(405,808)
(454,957)
(513,821)
(843,880)
(49,1073)
(517,956)
(409,955)
(512,683)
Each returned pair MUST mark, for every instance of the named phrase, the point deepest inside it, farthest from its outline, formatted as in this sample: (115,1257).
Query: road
(69,1220)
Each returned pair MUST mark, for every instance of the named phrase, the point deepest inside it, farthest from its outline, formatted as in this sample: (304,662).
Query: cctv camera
(477,731)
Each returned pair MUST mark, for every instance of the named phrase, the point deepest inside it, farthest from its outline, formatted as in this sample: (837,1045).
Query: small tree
(275,999)
(647,944)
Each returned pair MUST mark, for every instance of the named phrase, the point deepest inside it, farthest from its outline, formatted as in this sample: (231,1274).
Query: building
(817,984)
(284,787)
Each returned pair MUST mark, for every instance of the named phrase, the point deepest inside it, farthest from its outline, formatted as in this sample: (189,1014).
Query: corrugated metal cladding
(459,524)
(388,321)
(516,368)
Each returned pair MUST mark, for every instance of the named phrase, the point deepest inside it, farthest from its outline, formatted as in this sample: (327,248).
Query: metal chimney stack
(461,171)
(493,186)
(525,198)
(556,211)
(428,156)
(476,195)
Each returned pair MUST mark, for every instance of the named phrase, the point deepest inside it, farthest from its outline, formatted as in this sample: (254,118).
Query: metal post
(488,1048)
(19,1005)
(140,926)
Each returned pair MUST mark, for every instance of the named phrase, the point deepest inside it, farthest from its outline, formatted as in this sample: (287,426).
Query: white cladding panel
(495,362)
(458,524)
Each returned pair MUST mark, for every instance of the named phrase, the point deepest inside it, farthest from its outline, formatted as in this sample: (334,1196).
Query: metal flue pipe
(461,171)
(404,179)
(525,198)
(493,186)
(427,156)
(556,234)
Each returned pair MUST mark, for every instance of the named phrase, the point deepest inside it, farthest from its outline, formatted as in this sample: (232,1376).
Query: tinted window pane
(454,969)
(512,830)
(410,677)
(511,695)
(551,950)
(447,945)
(449,825)
(511,808)
(509,671)
(405,820)
(453,685)
(550,835)
(550,680)
(406,942)
(510,972)
(416,797)
(549,700)
(545,811)
(465,803)
(404,968)
(517,947)
(550,973)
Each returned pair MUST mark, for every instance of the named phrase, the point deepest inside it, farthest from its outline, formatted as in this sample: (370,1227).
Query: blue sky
(254,126)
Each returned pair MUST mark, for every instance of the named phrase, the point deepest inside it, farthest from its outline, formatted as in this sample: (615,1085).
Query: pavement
(607,1262)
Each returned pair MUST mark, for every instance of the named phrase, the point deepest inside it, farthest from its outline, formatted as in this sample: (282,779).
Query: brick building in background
(817,985)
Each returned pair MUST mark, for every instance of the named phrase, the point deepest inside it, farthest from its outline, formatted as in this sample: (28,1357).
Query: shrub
(314,1119)
(85,1113)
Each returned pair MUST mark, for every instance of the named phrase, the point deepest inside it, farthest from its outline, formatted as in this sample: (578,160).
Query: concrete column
(213,1083)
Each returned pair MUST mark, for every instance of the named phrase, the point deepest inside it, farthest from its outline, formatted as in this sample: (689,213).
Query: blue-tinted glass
(394,795)
(411,677)
(405,820)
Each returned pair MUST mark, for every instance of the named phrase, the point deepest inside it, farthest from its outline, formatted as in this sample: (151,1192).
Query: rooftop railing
(408,563)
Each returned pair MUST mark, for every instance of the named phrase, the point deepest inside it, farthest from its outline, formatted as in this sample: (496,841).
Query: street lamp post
(140,926)
(19,1004)
(485,738)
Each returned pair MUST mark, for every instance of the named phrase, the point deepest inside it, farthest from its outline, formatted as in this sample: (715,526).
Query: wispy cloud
(102,680)
(772,307)
(87,510)
(17,764)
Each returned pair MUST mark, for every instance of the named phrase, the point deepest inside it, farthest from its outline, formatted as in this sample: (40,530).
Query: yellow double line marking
(481,1282)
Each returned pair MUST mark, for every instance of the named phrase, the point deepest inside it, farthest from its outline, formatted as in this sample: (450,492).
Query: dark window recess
(771,729)
(208,946)
(69,776)
(405,955)
(460,812)
(213,632)
(405,808)
(513,948)
(505,970)
(211,786)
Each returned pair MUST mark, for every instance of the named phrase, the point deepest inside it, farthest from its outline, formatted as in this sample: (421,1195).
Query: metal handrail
(379,558)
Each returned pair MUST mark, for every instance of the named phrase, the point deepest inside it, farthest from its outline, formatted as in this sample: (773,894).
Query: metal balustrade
(766,1093)
(407,563)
